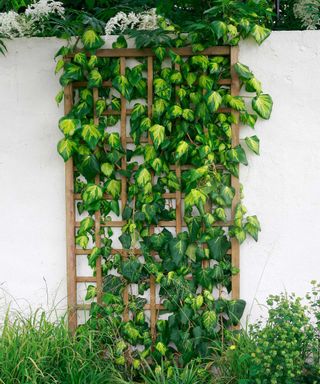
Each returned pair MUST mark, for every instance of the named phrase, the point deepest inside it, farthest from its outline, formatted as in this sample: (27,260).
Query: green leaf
(235,310)
(160,53)
(176,77)
(175,111)
(253,85)
(114,140)
(120,43)
(195,197)
(69,126)
(66,148)
(161,348)
(91,135)
(218,247)
(89,166)
(262,104)
(200,61)
(159,107)
(239,234)
(220,214)
(82,241)
(204,278)
(59,96)
(162,88)
(127,213)
(206,82)
(113,187)
(243,71)
(253,143)
(236,102)
(125,240)
(59,66)
(209,319)
(93,257)
(93,61)
(107,169)
(177,249)
(191,252)
(131,270)
(145,124)
(149,152)
(157,165)
(214,101)
(252,227)
(91,40)
(92,193)
(260,33)
(182,149)
(122,85)
(227,193)
(91,292)
(220,28)
(188,114)
(191,78)
(237,155)
(94,79)
(143,176)
(100,106)
(137,111)
(86,224)
(157,134)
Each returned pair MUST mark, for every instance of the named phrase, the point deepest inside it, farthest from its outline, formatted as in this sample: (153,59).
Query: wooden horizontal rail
(147,52)
(147,307)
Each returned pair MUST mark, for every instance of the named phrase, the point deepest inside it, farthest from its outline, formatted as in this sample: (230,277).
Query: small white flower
(11,24)
(308,11)
(43,8)
(121,21)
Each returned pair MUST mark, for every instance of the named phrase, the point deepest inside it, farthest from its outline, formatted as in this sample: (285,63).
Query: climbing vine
(191,124)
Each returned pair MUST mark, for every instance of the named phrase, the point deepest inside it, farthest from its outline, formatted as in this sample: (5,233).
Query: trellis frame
(71,224)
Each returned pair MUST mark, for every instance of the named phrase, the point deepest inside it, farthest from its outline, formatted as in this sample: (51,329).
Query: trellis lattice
(73,279)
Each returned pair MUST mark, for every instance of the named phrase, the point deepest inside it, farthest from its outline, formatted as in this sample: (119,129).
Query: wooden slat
(235,90)
(70,229)
(133,52)
(153,310)
(123,135)
(97,214)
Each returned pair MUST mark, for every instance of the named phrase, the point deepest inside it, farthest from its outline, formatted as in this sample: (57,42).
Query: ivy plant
(191,124)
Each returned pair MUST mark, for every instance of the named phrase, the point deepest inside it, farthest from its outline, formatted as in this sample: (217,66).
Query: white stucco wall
(281,186)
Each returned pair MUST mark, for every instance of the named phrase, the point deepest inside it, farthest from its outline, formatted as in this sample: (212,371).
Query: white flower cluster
(121,21)
(43,8)
(13,24)
(308,11)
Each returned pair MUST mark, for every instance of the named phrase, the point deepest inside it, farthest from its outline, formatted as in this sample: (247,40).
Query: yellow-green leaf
(92,193)
(91,135)
(113,187)
(66,148)
(182,149)
(91,40)
(157,134)
(69,126)
(143,177)
(253,143)
(107,169)
(94,79)
(263,104)
(214,101)
(91,292)
(260,33)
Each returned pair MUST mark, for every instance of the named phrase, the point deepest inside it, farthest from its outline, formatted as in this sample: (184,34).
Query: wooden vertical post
(70,226)
(235,246)
(123,135)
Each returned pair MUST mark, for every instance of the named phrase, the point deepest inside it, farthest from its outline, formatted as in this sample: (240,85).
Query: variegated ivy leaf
(91,292)
(214,100)
(237,155)
(100,106)
(157,134)
(247,118)
(243,71)
(220,28)
(94,79)
(86,224)
(149,152)
(91,40)
(122,85)
(160,53)
(227,193)
(236,102)
(252,227)
(143,176)
(157,165)
(68,126)
(191,252)
(107,169)
(191,78)
(220,214)
(113,187)
(188,114)
(80,58)
(177,248)
(175,111)
(59,96)
(137,111)
(200,61)
(205,82)
(92,193)
(209,320)
(195,197)
(253,85)
(161,348)
(162,89)
(82,241)
(262,104)
(59,66)
(93,61)
(159,107)
(260,33)
(239,234)
(91,135)
(182,149)
(253,143)
(176,77)
(114,140)
(66,148)
(93,256)
(145,124)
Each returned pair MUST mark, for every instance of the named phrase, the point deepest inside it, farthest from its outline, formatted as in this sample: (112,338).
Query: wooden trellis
(71,197)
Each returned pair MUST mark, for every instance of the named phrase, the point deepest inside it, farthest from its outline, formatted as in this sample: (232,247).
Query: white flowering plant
(308,11)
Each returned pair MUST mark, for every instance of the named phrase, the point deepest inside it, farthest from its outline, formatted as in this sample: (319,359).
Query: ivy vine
(191,124)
